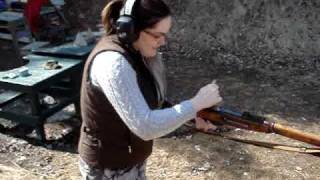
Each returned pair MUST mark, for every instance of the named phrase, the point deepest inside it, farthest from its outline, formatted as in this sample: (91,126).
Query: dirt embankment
(266,58)
(289,27)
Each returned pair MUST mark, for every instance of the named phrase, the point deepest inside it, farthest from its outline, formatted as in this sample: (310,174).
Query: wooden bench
(8,96)
(11,23)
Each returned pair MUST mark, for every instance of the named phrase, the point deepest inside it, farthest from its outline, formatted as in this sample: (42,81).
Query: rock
(21,158)
(49,100)
(189,137)
(205,167)
(197,147)
(227,163)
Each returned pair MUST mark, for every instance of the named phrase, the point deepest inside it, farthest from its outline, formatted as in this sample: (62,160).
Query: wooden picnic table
(39,82)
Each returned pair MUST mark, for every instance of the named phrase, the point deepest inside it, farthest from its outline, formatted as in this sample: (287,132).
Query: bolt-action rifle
(246,120)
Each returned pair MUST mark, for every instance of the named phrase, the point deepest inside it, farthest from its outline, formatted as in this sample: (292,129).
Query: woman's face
(150,39)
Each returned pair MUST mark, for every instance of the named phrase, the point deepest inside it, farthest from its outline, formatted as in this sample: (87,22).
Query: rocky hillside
(240,26)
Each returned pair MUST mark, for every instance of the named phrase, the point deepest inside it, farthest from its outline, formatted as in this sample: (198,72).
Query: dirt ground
(283,87)
(289,96)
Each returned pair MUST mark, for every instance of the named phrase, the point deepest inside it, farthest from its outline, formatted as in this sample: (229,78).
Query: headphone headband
(127,8)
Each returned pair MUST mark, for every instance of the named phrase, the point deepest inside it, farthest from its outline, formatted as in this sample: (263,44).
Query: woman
(123,92)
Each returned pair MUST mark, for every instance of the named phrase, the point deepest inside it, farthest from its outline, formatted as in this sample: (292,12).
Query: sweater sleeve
(117,79)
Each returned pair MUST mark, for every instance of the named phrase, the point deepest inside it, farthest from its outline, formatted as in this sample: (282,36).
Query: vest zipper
(129,149)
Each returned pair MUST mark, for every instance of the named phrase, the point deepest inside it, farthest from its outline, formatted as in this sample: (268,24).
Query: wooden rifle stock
(245,120)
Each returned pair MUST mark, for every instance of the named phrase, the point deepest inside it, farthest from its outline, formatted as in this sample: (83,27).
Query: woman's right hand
(206,97)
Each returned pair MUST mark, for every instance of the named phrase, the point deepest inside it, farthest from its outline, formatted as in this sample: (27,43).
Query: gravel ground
(286,92)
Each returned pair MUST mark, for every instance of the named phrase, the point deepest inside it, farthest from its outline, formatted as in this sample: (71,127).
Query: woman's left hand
(204,125)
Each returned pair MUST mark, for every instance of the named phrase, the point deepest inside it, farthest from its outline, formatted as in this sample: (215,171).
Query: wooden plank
(7,36)
(8,96)
(35,45)
(58,2)
(10,16)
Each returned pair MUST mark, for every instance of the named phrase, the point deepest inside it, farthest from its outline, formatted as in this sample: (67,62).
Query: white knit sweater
(117,79)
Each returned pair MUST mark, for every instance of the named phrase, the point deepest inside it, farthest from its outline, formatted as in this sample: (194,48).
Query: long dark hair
(146,14)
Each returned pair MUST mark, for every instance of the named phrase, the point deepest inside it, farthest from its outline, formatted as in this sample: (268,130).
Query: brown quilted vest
(105,141)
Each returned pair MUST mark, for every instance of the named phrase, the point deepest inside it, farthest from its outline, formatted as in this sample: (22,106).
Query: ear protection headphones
(125,25)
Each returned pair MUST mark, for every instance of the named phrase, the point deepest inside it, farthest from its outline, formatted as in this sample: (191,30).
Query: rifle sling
(306,150)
